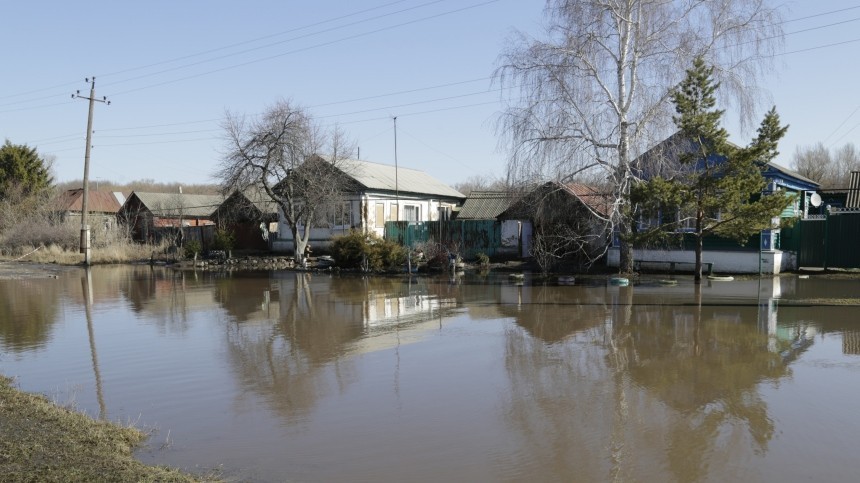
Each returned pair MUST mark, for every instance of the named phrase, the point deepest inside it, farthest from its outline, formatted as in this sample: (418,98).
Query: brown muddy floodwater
(283,376)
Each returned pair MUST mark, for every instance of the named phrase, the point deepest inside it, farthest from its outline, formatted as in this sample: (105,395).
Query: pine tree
(23,170)
(716,186)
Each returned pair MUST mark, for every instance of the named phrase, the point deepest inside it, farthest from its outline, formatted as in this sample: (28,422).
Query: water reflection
(475,378)
(305,352)
(28,312)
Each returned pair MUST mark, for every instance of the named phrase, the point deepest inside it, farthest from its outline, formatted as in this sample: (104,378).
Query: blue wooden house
(761,255)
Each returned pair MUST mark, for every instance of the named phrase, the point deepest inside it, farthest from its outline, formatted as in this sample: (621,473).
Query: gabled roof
(172,204)
(650,163)
(97,201)
(594,199)
(383,177)
(251,198)
(484,205)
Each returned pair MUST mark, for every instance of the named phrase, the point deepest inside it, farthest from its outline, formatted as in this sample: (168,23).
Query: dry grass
(117,252)
(40,441)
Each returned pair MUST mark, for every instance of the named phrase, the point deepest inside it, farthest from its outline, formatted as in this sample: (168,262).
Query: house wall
(773,262)
(364,214)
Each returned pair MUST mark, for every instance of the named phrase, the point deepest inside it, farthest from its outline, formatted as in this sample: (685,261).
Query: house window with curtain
(412,213)
(380,215)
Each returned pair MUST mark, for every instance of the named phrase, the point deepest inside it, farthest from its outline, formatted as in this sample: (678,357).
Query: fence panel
(466,237)
(843,240)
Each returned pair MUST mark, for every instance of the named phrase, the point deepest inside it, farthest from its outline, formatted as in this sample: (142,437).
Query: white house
(384,193)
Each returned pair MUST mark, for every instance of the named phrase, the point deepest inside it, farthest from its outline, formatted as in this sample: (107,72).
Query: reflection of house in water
(327,316)
(384,309)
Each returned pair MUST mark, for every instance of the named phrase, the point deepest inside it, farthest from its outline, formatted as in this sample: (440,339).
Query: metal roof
(597,200)
(484,205)
(172,204)
(383,177)
(853,200)
(97,201)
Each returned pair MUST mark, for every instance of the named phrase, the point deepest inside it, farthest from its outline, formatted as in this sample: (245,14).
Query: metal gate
(829,241)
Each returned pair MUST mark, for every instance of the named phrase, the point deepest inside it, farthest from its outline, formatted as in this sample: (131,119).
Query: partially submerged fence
(466,237)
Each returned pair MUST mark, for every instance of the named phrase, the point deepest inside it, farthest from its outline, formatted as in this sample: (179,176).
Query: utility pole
(86,249)
(396,185)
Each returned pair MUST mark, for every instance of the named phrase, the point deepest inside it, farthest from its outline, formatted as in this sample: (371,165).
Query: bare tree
(300,166)
(829,169)
(594,92)
(845,160)
(480,182)
(813,162)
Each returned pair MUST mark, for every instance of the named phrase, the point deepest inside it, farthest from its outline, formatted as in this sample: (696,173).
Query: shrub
(192,249)
(224,239)
(483,259)
(368,252)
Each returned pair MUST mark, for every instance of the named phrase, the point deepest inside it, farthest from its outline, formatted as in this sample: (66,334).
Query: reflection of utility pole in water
(87,284)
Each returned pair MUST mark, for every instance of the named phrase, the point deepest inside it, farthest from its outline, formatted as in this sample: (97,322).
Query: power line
(312,34)
(245,42)
(303,49)
(176,59)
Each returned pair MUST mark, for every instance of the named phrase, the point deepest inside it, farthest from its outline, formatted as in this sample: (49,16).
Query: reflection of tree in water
(27,312)
(242,294)
(169,297)
(557,402)
(705,363)
(553,313)
(305,354)
(584,403)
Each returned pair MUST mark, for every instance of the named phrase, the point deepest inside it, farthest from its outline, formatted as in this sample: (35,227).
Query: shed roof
(174,204)
(484,205)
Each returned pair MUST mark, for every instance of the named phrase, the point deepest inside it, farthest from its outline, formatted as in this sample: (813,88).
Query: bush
(224,240)
(192,249)
(483,259)
(367,252)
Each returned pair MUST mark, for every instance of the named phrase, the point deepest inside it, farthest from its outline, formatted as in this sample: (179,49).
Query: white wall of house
(368,212)
(771,262)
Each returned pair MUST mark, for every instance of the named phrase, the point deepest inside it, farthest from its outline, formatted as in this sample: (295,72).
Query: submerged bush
(367,251)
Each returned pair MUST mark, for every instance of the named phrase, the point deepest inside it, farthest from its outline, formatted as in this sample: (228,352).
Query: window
(412,213)
(394,216)
(380,215)
(340,215)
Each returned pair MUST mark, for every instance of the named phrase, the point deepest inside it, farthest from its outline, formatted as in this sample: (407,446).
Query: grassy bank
(40,441)
(117,252)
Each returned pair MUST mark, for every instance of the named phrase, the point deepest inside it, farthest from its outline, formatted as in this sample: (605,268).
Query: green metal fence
(831,241)
(466,237)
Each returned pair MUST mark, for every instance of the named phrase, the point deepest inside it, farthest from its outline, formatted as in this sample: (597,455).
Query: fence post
(826,224)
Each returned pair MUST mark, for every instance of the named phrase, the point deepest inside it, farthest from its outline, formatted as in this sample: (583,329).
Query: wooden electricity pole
(86,249)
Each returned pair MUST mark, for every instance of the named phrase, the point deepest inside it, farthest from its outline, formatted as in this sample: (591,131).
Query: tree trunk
(300,241)
(697,270)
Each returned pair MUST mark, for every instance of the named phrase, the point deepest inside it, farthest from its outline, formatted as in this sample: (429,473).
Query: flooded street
(284,376)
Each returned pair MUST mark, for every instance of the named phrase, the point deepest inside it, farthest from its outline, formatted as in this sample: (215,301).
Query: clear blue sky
(172,68)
